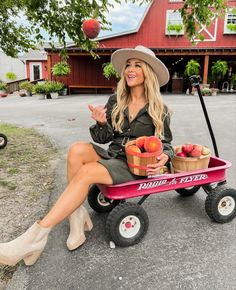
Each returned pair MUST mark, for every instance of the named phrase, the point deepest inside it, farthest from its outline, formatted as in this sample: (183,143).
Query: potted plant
(3,89)
(192,68)
(61,69)
(54,88)
(206,92)
(109,72)
(231,26)
(232,82)
(218,70)
(40,89)
(176,28)
(26,87)
(214,91)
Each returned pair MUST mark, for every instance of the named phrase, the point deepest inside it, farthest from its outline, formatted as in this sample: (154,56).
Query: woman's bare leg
(76,192)
(79,154)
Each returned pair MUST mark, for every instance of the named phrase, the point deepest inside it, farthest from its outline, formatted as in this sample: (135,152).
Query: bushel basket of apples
(190,157)
(141,152)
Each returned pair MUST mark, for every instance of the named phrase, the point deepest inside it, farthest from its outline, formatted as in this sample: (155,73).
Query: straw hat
(120,56)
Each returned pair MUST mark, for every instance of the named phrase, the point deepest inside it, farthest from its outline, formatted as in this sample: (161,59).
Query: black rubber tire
(3,141)
(188,191)
(98,202)
(118,214)
(221,197)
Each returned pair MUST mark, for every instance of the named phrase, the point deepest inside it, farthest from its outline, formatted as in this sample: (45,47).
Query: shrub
(40,88)
(3,86)
(26,85)
(10,76)
(54,86)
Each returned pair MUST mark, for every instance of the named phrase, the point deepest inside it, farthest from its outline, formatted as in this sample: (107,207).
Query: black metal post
(195,82)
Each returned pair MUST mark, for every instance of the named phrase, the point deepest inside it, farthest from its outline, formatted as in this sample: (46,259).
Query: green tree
(63,19)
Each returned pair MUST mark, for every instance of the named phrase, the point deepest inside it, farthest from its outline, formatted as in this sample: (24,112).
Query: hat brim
(119,58)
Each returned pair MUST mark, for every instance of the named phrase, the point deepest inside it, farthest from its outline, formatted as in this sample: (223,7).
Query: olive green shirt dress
(114,158)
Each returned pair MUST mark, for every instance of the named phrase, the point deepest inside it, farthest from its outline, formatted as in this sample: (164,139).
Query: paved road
(183,248)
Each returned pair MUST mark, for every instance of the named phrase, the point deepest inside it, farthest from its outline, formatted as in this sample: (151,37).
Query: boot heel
(88,225)
(31,259)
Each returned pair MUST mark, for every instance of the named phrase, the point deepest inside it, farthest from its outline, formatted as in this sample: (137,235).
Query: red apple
(197,151)
(134,148)
(187,148)
(181,154)
(152,144)
(91,28)
(140,142)
(178,149)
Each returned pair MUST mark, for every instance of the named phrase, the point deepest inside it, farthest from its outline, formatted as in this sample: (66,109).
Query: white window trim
(173,32)
(211,37)
(32,71)
(174,1)
(226,30)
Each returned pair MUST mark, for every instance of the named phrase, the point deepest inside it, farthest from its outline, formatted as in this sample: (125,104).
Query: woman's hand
(98,114)
(155,168)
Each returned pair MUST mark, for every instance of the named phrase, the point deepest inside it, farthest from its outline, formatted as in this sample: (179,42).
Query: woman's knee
(77,150)
(93,173)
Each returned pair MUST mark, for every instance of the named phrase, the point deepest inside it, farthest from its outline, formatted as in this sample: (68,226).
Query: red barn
(160,29)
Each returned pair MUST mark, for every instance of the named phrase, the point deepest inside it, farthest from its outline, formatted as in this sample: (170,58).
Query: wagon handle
(195,83)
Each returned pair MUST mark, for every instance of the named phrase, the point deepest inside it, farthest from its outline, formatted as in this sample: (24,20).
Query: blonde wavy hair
(156,108)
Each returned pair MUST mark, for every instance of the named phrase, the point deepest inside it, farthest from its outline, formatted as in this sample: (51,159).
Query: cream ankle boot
(28,246)
(79,222)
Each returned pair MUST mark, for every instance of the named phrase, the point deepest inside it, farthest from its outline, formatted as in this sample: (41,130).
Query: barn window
(230,21)
(174,23)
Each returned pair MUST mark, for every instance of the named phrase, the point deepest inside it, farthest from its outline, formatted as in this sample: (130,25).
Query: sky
(124,17)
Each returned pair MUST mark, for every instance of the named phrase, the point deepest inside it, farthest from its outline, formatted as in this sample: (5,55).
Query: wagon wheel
(188,191)
(3,141)
(127,224)
(99,202)
(220,204)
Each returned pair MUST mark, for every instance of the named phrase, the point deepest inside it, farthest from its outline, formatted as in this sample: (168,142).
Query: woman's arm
(102,131)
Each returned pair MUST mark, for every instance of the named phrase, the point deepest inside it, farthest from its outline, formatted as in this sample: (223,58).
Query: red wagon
(3,141)
(127,222)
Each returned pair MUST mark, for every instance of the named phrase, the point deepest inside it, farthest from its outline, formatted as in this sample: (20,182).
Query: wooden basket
(138,162)
(186,164)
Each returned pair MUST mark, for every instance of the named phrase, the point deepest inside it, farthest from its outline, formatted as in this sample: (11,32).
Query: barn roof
(131,31)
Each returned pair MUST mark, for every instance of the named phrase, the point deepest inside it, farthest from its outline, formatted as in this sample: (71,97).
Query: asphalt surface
(183,248)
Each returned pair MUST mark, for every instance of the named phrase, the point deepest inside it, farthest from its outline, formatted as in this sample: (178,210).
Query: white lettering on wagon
(173,181)
(152,184)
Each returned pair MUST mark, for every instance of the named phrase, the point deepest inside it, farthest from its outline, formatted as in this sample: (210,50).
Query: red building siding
(42,63)
(152,31)
(85,70)
(174,51)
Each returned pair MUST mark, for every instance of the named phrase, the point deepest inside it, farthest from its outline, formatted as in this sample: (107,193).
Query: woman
(136,110)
